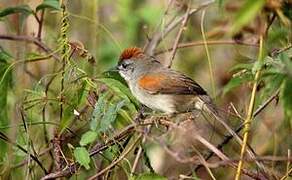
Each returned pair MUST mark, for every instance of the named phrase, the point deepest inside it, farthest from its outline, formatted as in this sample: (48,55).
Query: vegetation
(64,113)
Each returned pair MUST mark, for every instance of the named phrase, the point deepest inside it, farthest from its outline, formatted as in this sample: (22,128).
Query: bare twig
(287,174)
(237,130)
(159,35)
(118,160)
(266,103)
(288,162)
(38,43)
(41,22)
(71,169)
(281,50)
(33,157)
(210,62)
(136,161)
(210,146)
(64,173)
(256,113)
(209,42)
(178,36)
(140,150)
(204,163)
(127,131)
(43,152)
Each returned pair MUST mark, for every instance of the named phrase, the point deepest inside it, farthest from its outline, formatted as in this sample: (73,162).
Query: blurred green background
(101,29)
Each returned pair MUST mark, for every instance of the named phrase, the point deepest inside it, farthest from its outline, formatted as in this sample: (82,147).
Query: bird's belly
(160,102)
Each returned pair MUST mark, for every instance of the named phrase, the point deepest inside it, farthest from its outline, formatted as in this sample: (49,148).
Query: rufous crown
(132,52)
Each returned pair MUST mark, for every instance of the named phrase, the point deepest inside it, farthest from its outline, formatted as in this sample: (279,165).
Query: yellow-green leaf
(246,14)
(82,157)
(87,138)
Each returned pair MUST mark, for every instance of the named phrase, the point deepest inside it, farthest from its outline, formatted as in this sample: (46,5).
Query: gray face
(126,69)
(131,68)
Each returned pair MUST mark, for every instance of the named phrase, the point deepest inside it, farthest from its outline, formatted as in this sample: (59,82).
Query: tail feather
(206,105)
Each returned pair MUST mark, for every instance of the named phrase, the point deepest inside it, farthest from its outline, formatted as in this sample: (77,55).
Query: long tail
(206,105)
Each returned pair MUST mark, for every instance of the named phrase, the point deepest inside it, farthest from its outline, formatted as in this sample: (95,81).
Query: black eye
(124,65)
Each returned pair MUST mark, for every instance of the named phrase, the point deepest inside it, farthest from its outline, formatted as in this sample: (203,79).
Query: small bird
(164,89)
(161,88)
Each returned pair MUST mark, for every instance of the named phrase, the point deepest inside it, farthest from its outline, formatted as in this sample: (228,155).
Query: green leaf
(120,89)
(98,112)
(66,120)
(287,98)
(285,58)
(5,84)
(150,176)
(82,157)
(88,137)
(246,14)
(5,87)
(239,67)
(110,116)
(52,4)
(114,74)
(236,81)
(24,9)
(4,56)
(257,66)
(272,83)
(81,91)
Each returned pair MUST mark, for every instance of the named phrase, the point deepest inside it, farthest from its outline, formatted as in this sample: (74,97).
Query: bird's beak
(113,69)
(111,72)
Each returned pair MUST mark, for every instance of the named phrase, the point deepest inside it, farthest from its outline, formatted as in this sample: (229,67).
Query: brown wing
(173,83)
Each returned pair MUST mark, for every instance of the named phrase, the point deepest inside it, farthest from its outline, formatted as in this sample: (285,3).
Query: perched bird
(161,88)
(164,89)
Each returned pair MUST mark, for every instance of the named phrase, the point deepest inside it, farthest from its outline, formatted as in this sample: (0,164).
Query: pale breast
(160,102)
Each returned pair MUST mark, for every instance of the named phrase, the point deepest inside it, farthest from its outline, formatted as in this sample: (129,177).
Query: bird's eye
(124,65)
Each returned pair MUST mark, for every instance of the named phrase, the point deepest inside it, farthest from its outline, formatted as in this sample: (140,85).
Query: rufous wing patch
(169,83)
(131,53)
(152,83)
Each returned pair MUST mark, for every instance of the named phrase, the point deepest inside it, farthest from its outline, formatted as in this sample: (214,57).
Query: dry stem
(249,117)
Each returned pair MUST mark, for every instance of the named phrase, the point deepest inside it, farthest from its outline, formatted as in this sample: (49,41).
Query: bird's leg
(140,115)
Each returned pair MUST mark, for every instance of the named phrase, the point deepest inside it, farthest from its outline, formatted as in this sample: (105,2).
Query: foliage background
(56,102)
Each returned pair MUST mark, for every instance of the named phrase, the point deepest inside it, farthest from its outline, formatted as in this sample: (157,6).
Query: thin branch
(140,150)
(181,29)
(118,160)
(6,139)
(127,131)
(209,42)
(281,50)
(41,22)
(256,113)
(266,103)
(159,35)
(71,169)
(287,174)
(27,160)
(238,129)
(204,163)
(33,40)
(210,62)
(208,145)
